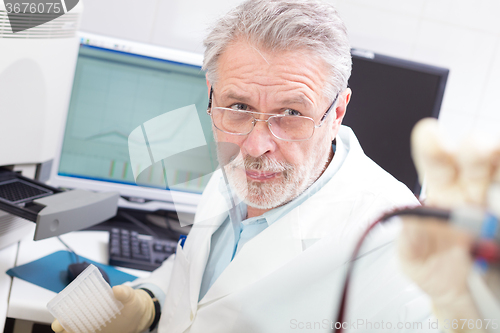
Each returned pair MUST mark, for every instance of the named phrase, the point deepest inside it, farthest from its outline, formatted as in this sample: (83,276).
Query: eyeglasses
(283,127)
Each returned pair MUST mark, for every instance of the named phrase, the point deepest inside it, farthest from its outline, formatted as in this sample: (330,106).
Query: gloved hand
(137,314)
(454,177)
(436,255)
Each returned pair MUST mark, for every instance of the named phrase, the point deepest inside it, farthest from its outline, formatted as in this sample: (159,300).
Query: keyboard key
(131,249)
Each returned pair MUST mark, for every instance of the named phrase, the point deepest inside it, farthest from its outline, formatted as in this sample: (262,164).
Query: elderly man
(277,75)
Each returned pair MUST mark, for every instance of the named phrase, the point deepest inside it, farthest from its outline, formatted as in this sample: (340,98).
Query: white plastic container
(86,304)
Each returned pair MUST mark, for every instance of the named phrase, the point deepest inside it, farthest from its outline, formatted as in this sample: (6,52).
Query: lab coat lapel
(198,243)
(283,241)
(276,245)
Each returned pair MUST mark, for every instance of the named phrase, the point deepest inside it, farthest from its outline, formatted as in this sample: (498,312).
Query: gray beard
(291,181)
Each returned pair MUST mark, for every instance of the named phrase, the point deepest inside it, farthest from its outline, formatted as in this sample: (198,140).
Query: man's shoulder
(361,175)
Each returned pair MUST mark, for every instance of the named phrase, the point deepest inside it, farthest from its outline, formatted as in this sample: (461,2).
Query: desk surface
(7,260)
(28,301)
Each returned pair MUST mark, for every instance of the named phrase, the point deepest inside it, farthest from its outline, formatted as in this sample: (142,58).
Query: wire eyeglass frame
(271,116)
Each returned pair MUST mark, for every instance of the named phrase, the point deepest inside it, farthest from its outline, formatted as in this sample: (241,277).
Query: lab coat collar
(276,245)
(284,240)
(206,223)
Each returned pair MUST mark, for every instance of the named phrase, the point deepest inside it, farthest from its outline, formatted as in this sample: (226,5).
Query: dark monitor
(389,96)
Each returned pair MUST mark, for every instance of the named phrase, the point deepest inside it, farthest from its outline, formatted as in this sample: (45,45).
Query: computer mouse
(75,269)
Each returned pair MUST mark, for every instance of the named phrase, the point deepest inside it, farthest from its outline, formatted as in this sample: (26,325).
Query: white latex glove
(136,316)
(454,178)
(435,255)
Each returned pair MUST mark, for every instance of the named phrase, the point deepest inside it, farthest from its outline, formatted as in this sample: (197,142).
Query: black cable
(170,232)
(138,223)
(70,249)
(169,226)
(420,211)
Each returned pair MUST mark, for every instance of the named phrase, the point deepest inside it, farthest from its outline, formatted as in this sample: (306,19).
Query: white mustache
(261,163)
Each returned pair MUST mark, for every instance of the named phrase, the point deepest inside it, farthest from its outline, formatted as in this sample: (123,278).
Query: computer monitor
(390,96)
(118,86)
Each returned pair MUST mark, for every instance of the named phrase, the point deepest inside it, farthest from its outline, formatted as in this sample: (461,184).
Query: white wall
(462,35)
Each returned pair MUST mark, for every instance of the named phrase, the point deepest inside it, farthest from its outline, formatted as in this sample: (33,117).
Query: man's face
(270,172)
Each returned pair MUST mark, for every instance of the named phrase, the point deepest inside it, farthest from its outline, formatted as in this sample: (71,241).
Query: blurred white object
(86,304)
(37,67)
(463,176)
(454,176)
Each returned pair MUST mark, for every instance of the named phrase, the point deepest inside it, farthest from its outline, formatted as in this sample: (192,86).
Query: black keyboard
(132,250)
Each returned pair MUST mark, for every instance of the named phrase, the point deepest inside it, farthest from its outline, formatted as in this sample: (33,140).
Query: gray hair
(285,25)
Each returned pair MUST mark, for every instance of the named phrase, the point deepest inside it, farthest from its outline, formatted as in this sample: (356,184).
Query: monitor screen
(389,96)
(118,87)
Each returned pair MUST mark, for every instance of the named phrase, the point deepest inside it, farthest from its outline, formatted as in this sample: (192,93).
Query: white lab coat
(289,277)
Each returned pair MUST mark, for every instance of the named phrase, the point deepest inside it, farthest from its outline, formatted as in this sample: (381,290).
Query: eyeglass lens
(285,128)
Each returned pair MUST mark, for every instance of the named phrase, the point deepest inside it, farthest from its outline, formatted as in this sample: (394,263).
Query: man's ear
(340,110)
(347,96)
